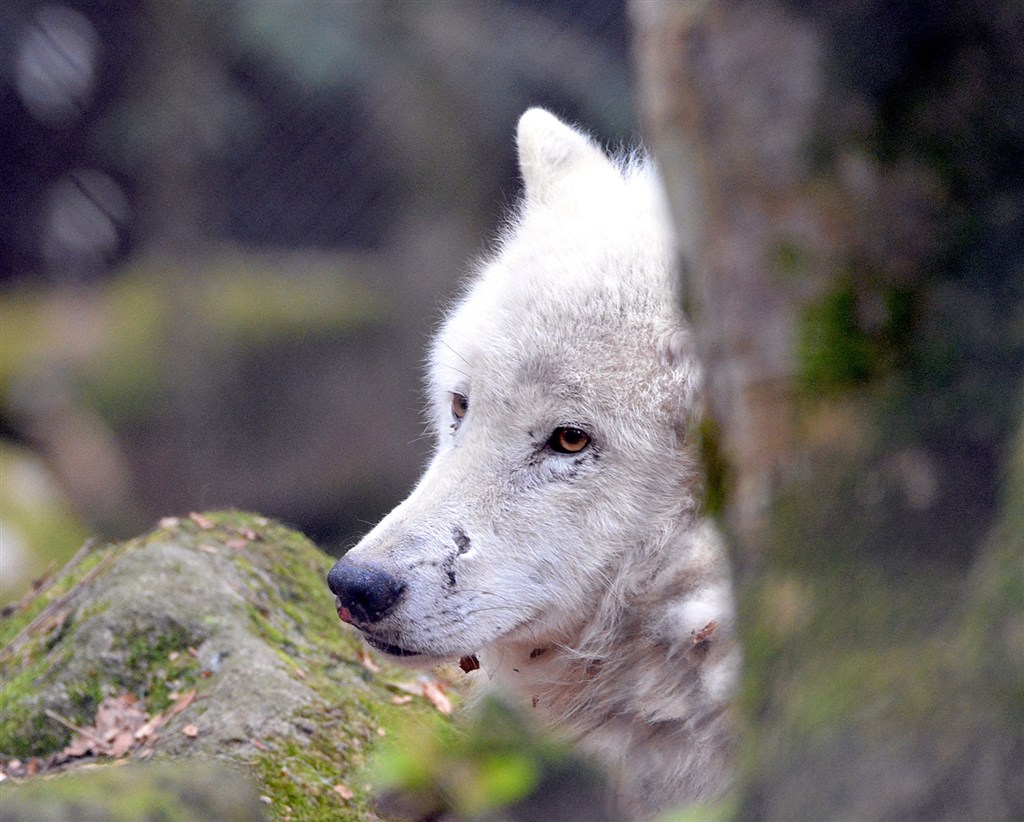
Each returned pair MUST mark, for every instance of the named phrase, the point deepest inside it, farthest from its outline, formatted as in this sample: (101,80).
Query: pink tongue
(343,614)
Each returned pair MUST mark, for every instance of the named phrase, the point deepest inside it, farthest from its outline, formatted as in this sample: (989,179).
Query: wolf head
(560,391)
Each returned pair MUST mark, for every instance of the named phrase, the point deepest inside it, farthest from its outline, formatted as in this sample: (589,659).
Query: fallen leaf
(367,661)
(203,522)
(258,745)
(146,730)
(191,731)
(437,697)
(182,703)
(301,674)
(401,700)
(112,733)
(121,744)
(343,791)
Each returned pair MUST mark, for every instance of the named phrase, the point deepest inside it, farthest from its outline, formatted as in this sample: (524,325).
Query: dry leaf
(182,703)
(147,730)
(258,745)
(113,731)
(401,700)
(301,674)
(367,661)
(203,522)
(343,791)
(437,697)
(121,744)
(191,731)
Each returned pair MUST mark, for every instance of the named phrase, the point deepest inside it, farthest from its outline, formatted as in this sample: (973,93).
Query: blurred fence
(226,230)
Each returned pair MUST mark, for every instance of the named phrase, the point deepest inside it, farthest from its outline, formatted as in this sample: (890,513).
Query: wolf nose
(366,591)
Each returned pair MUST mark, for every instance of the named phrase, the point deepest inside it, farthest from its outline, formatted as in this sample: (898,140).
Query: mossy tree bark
(850,187)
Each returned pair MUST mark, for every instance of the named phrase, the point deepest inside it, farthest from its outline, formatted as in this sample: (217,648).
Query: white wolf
(555,533)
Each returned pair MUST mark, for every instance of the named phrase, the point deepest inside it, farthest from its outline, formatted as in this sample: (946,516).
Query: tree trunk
(849,187)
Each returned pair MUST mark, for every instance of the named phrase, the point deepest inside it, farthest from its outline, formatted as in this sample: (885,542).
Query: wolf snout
(366,593)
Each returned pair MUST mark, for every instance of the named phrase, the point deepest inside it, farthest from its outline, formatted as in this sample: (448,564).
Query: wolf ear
(549,150)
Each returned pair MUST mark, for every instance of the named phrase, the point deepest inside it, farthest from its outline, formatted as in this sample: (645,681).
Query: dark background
(227,229)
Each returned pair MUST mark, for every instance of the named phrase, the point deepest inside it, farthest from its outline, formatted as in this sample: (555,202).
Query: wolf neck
(562,678)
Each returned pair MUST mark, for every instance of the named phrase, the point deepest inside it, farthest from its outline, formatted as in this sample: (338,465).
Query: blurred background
(226,231)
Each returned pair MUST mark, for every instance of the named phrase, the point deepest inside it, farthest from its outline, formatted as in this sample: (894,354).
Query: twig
(71,726)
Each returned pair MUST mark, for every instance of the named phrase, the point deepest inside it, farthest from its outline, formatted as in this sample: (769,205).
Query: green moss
(715,464)
(17,620)
(300,777)
(833,352)
(157,666)
(860,330)
(24,730)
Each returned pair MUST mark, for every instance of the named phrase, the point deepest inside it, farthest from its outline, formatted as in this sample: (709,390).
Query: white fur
(590,588)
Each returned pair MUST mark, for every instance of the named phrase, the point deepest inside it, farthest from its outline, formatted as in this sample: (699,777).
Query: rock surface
(212,637)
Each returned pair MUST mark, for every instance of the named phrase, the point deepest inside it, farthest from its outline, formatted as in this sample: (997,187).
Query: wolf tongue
(343,613)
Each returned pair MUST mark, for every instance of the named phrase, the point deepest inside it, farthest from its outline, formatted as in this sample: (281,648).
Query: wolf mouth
(388,648)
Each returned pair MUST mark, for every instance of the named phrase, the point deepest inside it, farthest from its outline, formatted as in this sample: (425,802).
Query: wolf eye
(568,440)
(460,405)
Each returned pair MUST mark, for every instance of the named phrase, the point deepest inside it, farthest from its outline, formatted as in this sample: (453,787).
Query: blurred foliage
(111,343)
(197,792)
(491,765)
(38,526)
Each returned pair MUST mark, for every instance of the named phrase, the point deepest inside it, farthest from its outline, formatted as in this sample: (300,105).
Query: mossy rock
(175,792)
(234,607)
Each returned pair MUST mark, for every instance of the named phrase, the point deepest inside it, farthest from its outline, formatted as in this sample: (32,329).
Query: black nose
(366,591)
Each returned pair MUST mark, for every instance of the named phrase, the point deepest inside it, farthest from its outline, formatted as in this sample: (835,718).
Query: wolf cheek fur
(555,532)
